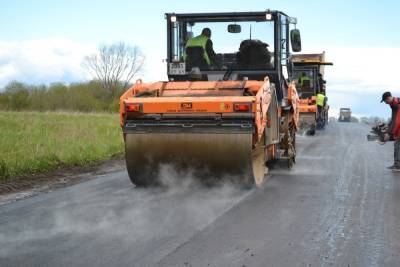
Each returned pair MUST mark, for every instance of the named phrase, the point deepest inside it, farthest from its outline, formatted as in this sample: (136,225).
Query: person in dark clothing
(321,82)
(253,54)
(394,127)
(209,46)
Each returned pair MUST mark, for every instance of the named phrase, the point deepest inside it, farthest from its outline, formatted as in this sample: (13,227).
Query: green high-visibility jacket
(302,79)
(201,41)
(320,100)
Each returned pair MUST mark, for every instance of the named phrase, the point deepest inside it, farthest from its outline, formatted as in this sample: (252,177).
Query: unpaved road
(339,206)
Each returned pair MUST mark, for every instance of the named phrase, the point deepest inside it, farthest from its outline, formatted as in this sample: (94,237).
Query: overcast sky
(45,41)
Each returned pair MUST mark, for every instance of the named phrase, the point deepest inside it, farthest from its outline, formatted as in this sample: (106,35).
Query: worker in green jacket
(321,99)
(204,41)
(321,102)
(303,78)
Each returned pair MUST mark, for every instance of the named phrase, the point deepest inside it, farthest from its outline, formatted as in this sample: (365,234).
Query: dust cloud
(176,210)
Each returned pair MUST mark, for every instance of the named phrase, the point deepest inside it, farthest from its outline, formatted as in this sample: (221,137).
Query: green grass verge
(35,142)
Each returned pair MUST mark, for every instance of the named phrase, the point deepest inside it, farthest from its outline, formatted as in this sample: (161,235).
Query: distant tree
(115,66)
(18,94)
(57,93)
(83,97)
(4,101)
(39,98)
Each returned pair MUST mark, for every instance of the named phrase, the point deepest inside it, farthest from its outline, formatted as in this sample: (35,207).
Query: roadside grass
(36,142)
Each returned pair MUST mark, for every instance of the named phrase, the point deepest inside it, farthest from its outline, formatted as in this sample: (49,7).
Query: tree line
(83,97)
(112,68)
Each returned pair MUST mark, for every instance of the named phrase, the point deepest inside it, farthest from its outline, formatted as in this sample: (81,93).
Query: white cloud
(59,60)
(155,68)
(42,61)
(362,70)
(359,76)
(356,80)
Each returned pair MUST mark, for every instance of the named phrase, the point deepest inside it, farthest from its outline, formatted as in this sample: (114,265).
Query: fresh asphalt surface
(339,206)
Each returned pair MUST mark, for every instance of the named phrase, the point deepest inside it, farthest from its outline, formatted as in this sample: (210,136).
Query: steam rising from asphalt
(134,216)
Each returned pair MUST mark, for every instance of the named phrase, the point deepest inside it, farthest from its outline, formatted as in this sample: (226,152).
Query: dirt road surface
(339,206)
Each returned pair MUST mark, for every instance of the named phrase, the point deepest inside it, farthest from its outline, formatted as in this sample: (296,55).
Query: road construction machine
(345,115)
(309,74)
(221,116)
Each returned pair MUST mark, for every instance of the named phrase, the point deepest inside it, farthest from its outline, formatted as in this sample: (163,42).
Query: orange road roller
(225,117)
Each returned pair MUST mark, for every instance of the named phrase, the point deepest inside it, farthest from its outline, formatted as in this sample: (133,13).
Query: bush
(83,97)
(18,95)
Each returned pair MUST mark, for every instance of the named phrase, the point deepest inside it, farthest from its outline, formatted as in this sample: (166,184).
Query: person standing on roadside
(394,128)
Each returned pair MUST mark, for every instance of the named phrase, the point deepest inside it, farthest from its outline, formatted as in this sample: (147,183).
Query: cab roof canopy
(310,59)
(226,16)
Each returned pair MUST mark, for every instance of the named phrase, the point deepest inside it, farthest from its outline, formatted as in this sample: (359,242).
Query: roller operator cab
(247,45)
(307,87)
(220,114)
